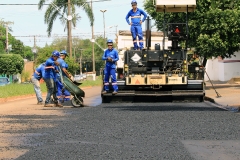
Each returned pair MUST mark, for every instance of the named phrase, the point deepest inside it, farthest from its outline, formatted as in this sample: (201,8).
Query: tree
(17,47)
(62,7)
(214,26)
(11,64)
(28,53)
(46,52)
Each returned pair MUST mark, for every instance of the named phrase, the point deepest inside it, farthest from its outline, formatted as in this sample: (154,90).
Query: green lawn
(87,83)
(25,89)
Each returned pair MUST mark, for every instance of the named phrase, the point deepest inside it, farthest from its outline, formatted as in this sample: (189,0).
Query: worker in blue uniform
(36,77)
(136,24)
(62,93)
(50,79)
(111,57)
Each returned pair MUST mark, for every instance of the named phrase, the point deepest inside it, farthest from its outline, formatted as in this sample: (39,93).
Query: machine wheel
(76,103)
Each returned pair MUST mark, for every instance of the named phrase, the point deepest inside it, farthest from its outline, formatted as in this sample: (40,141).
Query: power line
(45,4)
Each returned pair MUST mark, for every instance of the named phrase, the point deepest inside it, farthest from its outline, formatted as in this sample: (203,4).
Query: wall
(28,67)
(223,69)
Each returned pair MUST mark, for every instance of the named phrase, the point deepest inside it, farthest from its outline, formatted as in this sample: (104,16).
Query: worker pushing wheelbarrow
(72,87)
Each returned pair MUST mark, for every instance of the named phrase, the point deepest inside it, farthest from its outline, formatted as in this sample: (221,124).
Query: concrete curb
(228,108)
(15,98)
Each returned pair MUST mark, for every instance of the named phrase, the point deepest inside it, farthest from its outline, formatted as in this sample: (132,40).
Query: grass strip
(26,89)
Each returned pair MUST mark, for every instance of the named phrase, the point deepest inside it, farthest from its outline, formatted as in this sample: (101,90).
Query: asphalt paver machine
(163,73)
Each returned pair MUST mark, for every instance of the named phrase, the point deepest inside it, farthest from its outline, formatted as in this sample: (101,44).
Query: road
(181,131)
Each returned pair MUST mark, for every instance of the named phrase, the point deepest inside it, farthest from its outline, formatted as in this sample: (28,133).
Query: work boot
(40,103)
(58,105)
(48,105)
(104,92)
(114,92)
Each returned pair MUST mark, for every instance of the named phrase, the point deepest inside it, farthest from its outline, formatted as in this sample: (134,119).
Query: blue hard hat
(55,53)
(64,52)
(109,41)
(134,1)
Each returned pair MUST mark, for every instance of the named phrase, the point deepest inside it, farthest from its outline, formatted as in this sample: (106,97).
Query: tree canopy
(11,64)
(17,46)
(59,8)
(214,26)
(80,46)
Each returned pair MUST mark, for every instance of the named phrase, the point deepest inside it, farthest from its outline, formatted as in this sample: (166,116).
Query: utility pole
(6,24)
(93,57)
(116,40)
(74,52)
(69,29)
(34,50)
(103,11)
(80,61)
(34,42)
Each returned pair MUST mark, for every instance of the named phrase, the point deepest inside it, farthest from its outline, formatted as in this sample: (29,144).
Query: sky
(29,21)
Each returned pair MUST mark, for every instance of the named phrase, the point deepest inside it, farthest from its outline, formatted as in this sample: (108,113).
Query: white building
(223,69)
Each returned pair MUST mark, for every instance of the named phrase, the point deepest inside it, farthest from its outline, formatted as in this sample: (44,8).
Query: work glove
(109,59)
(56,63)
(71,77)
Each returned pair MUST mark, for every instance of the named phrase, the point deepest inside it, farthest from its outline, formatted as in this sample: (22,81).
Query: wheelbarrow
(73,88)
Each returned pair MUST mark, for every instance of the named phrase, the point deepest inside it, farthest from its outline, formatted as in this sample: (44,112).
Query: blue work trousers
(51,90)
(37,89)
(137,31)
(109,71)
(62,93)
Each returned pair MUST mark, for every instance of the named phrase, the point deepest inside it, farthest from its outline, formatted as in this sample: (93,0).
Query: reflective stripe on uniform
(114,83)
(135,41)
(136,17)
(106,84)
(63,96)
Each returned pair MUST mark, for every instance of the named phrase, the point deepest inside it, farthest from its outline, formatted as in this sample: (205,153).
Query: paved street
(118,131)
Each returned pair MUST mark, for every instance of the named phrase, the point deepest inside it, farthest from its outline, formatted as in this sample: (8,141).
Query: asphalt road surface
(176,131)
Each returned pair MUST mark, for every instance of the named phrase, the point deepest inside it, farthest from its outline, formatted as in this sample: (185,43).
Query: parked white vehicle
(84,76)
(78,78)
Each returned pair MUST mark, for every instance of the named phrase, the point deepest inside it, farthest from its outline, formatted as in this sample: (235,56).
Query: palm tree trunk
(69,26)
(93,56)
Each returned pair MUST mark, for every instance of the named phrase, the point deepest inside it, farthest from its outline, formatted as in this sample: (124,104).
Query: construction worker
(136,24)
(50,79)
(63,94)
(111,57)
(37,75)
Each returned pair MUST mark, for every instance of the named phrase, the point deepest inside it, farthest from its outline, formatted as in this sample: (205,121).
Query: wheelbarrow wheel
(76,103)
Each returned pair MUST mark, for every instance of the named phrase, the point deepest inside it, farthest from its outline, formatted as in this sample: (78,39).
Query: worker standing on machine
(136,24)
(111,57)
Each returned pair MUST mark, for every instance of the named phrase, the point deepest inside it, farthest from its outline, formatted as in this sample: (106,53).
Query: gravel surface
(128,131)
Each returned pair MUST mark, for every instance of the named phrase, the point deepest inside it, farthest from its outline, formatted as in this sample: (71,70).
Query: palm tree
(62,9)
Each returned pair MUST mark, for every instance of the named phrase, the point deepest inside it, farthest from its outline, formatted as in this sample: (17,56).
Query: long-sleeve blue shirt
(62,64)
(136,17)
(112,54)
(40,71)
(50,69)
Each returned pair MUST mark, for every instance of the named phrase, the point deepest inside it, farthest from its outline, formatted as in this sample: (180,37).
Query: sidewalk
(229,95)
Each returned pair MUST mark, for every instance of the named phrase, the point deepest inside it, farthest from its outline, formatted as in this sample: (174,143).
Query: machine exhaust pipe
(148,33)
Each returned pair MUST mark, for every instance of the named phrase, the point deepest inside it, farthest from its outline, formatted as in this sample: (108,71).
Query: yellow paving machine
(162,74)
